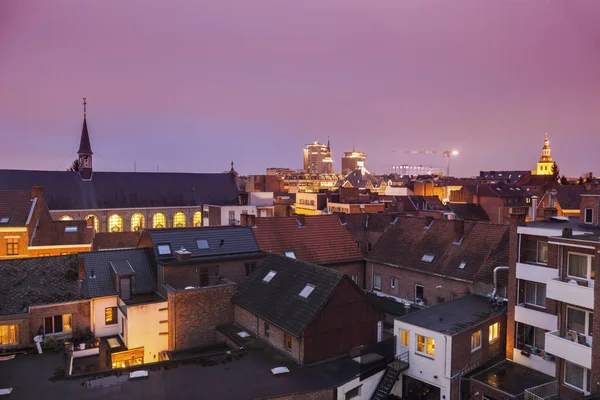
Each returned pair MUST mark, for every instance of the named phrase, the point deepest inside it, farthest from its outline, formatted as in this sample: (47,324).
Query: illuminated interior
(115,223)
(197,218)
(66,218)
(95,221)
(179,220)
(159,220)
(137,222)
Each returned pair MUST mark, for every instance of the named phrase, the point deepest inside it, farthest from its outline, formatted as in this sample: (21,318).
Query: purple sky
(192,85)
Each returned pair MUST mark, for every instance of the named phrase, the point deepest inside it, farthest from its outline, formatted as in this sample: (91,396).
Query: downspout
(257,332)
(372,276)
(174,322)
(493,296)
(299,345)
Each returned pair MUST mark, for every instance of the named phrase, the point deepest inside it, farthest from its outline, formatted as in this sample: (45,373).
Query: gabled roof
(373,222)
(53,233)
(568,196)
(16,206)
(455,316)
(38,281)
(101,263)
(65,190)
(500,190)
(318,239)
(468,211)
(506,176)
(278,301)
(220,240)
(359,178)
(483,246)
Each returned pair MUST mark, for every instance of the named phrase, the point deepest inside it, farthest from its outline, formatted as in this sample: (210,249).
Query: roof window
(428,258)
(269,276)
(70,229)
(290,254)
(202,244)
(308,289)
(4,220)
(462,265)
(163,249)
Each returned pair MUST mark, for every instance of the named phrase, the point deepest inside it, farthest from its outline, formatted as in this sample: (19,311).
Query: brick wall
(80,311)
(325,394)
(356,268)
(24,336)
(590,202)
(407,279)
(23,242)
(194,315)
(515,221)
(595,386)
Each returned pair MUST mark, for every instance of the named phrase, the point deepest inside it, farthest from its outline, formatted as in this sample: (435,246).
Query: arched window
(137,222)
(197,218)
(179,220)
(159,220)
(95,222)
(115,223)
(66,218)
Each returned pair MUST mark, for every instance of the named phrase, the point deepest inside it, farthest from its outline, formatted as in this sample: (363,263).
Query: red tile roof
(16,205)
(319,239)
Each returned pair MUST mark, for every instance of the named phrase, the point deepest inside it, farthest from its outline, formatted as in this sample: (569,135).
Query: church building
(546,164)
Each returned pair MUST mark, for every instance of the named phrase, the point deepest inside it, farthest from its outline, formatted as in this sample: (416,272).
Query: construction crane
(446,153)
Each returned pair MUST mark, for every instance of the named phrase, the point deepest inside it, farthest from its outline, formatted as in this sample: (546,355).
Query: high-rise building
(317,158)
(353,160)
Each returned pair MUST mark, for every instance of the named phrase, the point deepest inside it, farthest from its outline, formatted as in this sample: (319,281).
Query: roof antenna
(84,107)
(134,166)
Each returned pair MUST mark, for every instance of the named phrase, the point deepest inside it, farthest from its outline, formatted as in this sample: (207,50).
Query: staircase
(387,382)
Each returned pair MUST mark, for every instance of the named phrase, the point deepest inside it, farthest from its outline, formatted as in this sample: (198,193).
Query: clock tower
(545,165)
(85,149)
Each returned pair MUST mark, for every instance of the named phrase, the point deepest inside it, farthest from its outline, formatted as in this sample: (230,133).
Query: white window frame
(354,278)
(589,265)
(358,394)
(375,286)
(535,284)
(393,282)
(269,276)
(586,377)
(586,323)
(416,298)
(290,254)
(163,245)
(425,341)
(474,345)
(585,220)
(308,289)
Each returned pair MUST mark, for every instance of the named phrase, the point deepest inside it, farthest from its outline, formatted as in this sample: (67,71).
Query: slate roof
(278,301)
(16,205)
(222,240)
(38,281)
(122,267)
(65,190)
(374,222)
(500,190)
(483,246)
(468,211)
(101,262)
(359,178)
(52,233)
(318,239)
(84,144)
(115,240)
(455,316)
(568,196)
(506,176)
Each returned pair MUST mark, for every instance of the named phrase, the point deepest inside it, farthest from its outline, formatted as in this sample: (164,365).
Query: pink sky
(192,85)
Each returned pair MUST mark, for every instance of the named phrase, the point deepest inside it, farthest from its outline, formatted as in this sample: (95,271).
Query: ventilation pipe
(493,296)
(534,205)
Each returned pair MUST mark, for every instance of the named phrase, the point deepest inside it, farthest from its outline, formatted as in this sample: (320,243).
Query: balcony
(533,317)
(568,349)
(571,292)
(536,273)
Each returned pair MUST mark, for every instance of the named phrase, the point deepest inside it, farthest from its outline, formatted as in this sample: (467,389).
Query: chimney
(247,220)
(567,232)
(182,254)
(37,191)
(459,227)
(549,213)
(301,220)
(81,271)
(534,204)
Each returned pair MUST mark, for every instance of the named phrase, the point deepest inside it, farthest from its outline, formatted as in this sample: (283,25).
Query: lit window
(197,218)
(202,244)
(428,258)
(94,221)
(287,341)
(494,332)
(4,220)
(179,220)
(425,345)
(163,249)
(308,289)
(110,316)
(58,324)
(404,338)
(66,218)
(12,246)
(269,276)
(115,223)
(137,222)
(462,265)
(290,254)
(476,341)
(579,266)
(9,334)
(159,220)
(70,229)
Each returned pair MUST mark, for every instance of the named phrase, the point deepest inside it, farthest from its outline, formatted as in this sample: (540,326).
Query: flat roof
(558,224)
(512,378)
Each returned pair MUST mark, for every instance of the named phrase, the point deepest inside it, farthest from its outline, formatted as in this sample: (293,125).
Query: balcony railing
(546,391)
(568,349)
(571,292)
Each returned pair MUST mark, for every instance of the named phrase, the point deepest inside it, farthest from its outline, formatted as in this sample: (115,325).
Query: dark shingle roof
(372,222)
(115,240)
(468,211)
(222,240)
(38,281)
(506,176)
(455,316)
(278,301)
(84,144)
(102,262)
(15,204)
(359,178)
(65,190)
(319,239)
(569,196)
(122,267)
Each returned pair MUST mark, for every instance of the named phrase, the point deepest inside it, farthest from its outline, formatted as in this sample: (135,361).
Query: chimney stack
(247,220)
(549,213)
(182,254)
(37,191)
(567,232)
(534,205)
(81,271)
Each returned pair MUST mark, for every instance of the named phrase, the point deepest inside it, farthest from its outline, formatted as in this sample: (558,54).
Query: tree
(564,181)
(74,166)
(555,172)
(580,182)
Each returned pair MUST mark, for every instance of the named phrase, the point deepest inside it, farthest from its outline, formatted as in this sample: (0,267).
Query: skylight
(202,244)
(163,249)
(4,220)
(428,258)
(462,265)
(70,229)
(290,254)
(307,290)
(269,276)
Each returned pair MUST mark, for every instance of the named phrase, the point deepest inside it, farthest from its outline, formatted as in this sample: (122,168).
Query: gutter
(418,270)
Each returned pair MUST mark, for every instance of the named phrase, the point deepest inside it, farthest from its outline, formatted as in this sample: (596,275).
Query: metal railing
(542,392)
(400,362)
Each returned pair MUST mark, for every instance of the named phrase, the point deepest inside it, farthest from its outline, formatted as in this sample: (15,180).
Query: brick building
(498,200)
(429,261)
(366,229)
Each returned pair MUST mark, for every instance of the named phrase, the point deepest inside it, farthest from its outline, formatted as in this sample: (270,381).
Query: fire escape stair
(387,382)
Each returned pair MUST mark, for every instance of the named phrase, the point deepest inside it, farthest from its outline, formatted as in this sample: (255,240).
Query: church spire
(85,148)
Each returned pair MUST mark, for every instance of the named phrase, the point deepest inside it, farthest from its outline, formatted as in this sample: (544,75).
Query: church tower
(544,166)
(85,149)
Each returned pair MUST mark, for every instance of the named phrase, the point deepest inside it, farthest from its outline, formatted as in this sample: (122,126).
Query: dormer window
(70,229)
(428,258)
(269,276)
(308,289)
(163,249)
(290,254)
(462,265)
(202,244)
(4,220)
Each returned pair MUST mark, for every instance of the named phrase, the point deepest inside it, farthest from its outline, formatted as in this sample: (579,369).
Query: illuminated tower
(85,149)
(353,160)
(317,158)
(544,166)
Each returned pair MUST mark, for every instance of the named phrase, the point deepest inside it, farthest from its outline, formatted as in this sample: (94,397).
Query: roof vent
(92,274)
(280,370)
(567,232)
(182,254)
(222,242)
